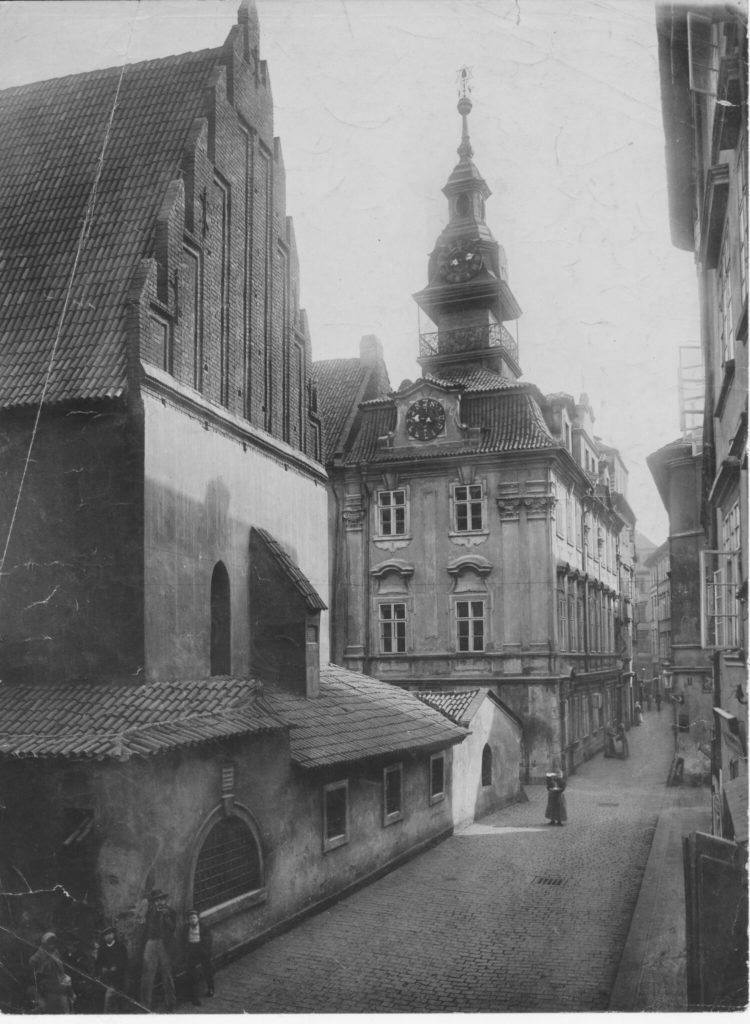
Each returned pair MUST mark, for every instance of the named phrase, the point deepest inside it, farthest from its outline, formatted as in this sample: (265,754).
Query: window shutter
(702,54)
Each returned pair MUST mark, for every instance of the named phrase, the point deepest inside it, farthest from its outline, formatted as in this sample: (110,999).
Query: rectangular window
(392,513)
(702,54)
(393,794)
(724,284)
(572,622)
(335,815)
(720,616)
(742,218)
(468,508)
(437,778)
(470,626)
(392,619)
(562,615)
(579,525)
(559,516)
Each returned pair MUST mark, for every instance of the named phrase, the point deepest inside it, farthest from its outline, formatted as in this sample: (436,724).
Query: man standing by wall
(157,953)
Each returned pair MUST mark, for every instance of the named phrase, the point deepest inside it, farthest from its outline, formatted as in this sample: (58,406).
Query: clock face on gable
(425,419)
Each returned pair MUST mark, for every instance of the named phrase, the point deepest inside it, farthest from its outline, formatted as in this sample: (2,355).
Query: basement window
(229,865)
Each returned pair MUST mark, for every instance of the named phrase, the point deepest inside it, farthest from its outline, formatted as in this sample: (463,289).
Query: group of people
(54,986)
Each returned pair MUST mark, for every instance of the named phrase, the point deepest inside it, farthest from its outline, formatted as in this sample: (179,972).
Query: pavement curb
(652,971)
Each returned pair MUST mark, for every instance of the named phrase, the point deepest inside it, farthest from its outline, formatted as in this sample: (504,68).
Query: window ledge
(335,843)
(437,798)
(234,906)
(391,819)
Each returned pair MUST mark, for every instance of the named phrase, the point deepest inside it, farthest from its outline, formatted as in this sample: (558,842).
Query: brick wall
(221,299)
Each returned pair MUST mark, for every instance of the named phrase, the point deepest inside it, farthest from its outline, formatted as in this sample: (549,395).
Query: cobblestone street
(508,915)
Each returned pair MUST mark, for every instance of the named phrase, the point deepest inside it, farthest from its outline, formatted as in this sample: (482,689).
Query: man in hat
(157,953)
(111,968)
(198,942)
(54,988)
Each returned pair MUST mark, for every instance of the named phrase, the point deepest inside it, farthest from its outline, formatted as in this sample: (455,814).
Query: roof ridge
(113,69)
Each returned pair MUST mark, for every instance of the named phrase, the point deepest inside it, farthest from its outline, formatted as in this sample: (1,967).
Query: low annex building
(253,804)
(485,766)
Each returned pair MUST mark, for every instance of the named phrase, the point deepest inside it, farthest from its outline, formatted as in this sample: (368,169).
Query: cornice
(161,385)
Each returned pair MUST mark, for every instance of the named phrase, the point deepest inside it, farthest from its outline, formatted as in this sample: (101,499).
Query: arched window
(221,622)
(229,864)
(486,765)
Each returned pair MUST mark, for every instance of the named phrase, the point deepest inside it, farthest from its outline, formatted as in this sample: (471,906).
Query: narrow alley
(507,915)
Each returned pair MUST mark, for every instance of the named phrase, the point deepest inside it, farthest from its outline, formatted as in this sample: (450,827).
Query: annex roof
(454,704)
(53,134)
(294,574)
(509,421)
(462,705)
(357,718)
(119,720)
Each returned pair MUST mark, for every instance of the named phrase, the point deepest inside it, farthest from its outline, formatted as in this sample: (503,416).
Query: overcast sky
(566,130)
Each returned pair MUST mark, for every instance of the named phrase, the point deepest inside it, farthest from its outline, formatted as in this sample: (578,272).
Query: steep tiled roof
(52,134)
(342,385)
(300,582)
(453,703)
(357,717)
(339,382)
(510,421)
(117,721)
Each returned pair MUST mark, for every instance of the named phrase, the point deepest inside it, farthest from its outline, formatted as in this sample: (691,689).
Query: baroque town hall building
(482,534)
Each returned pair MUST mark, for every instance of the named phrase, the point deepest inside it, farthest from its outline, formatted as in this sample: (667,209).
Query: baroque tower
(468,297)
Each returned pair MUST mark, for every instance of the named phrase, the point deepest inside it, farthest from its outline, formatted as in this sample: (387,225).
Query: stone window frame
(470,599)
(381,622)
(333,842)
(379,533)
(238,904)
(469,502)
(437,795)
(724,307)
(391,817)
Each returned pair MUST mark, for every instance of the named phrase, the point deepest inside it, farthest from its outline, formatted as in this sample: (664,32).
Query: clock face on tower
(425,419)
(460,262)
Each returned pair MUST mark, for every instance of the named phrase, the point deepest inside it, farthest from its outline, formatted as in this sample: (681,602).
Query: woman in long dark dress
(556,810)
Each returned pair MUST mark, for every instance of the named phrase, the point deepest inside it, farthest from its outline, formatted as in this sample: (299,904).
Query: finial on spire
(463,77)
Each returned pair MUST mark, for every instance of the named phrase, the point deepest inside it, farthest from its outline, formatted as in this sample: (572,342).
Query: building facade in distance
(703,62)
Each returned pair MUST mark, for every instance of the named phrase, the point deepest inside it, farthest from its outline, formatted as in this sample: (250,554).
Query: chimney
(370,350)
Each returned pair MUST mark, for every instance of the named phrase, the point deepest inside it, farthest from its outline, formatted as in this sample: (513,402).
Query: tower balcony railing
(464,339)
